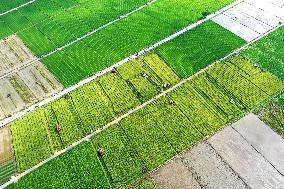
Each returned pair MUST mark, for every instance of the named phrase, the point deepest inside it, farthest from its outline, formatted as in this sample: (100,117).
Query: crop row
(88,108)
(199,47)
(7,5)
(268,53)
(146,139)
(273,115)
(7,169)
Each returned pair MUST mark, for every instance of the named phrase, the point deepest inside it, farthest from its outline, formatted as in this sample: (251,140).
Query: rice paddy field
(149,107)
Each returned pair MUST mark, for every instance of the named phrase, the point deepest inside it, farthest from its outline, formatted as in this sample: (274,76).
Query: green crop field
(77,168)
(152,135)
(182,86)
(198,48)
(273,116)
(7,170)
(54,23)
(268,53)
(93,106)
(88,108)
(118,92)
(31,140)
(120,159)
(102,49)
(6,5)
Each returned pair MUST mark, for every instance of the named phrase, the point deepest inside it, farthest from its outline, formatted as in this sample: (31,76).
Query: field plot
(152,135)
(93,107)
(149,141)
(118,92)
(159,66)
(13,54)
(273,116)
(10,100)
(197,48)
(90,107)
(132,34)
(120,159)
(245,160)
(250,18)
(44,26)
(268,53)
(7,163)
(69,122)
(22,84)
(31,139)
(77,168)
(245,88)
(148,75)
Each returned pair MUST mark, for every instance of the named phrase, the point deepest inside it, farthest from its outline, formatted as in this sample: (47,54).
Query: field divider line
(16,8)
(132,111)
(106,70)
(36,59)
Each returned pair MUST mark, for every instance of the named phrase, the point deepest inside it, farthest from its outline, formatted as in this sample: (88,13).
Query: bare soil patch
(22,83)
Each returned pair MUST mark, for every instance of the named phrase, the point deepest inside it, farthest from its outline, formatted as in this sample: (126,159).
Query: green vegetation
(149,137)
(120,158)
(159,67)
(199,47)
(268,53)
(86,109)
(132,34)
(273,115)
(7,169)
(31,140)
(243,87)
(7,5)
(68,120)
(281,101)
(77,168)
(118,92)
(21,89)
(46,25)
(94,108)
(144,183)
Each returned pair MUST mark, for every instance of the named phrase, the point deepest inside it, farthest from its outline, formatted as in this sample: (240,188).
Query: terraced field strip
(95,76)
(78,39)
(214,72)
(16,8)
